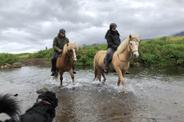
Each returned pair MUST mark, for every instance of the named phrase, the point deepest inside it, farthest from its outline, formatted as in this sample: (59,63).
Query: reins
(131,55)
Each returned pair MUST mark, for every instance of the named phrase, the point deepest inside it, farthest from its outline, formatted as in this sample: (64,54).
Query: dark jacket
(59,43)
(113,39)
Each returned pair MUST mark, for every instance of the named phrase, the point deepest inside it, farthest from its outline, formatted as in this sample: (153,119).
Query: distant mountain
(179,34)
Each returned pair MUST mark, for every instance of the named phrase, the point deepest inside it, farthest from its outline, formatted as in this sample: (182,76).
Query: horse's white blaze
(74,55)
(134,47)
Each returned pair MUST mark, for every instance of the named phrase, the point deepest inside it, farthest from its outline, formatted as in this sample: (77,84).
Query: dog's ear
(50,97)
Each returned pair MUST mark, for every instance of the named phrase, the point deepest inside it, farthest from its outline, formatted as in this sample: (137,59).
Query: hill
(179,34)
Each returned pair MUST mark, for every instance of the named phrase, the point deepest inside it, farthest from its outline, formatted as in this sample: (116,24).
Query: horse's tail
(95,67)
(9,106)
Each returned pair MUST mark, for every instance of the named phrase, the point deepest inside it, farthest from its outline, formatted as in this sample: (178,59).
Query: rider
(58,45)
(113,40)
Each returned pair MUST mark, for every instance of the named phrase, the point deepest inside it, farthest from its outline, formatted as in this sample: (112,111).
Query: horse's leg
(96,73)
(99,77)
(121,78)
(104,78)
(72,75)
(123,81)
(61,78)
(99,74)
(103,75)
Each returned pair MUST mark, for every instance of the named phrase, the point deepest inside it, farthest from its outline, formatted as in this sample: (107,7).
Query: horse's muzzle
(136,54)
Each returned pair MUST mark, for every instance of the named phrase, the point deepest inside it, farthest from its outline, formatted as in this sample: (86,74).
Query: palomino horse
(65,61)
(127,50)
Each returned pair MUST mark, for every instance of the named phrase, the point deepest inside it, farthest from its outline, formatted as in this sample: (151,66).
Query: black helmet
(62,31)
(112,25)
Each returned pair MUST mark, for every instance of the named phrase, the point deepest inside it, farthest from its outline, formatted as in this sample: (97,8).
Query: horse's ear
(130,36)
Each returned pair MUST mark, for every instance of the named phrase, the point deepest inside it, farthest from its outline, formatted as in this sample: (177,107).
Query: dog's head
(49,97)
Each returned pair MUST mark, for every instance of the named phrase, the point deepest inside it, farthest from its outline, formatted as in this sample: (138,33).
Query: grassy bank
(163,51)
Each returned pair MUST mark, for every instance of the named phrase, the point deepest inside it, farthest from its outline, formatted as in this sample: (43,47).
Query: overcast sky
(31,25)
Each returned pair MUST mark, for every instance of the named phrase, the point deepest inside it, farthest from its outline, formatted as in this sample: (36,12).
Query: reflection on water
(153,96)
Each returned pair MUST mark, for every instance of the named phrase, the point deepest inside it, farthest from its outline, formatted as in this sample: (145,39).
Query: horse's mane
(125,42)
(123,45)
(68,46)
(65,49)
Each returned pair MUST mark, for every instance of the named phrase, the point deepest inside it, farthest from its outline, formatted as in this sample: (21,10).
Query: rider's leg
(53,62)
(108,59)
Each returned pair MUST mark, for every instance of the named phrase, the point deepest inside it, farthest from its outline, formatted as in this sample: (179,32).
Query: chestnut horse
(65,61)
(127,50)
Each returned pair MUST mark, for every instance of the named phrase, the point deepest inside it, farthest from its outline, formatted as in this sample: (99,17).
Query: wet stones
(10,66)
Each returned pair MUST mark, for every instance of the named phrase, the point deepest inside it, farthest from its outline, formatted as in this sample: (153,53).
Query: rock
(42,90)
(8,66)
(17,65)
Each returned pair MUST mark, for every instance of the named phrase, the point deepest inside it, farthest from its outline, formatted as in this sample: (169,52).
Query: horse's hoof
(103,82)
(73,84)
(15,95)
(60,87)
(125,92)
(118,84)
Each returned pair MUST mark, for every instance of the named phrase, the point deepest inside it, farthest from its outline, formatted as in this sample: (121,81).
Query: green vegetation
(87,53)
(7,58)
(42,54)
(163,51)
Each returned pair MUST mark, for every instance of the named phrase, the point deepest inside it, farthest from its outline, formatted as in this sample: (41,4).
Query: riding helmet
(62,31)
(112,25)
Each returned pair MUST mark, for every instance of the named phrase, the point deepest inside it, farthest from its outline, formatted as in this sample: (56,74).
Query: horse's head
(134,45)
(71,50)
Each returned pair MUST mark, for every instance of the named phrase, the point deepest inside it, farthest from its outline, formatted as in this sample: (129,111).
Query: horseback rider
(58,45)
(113,41)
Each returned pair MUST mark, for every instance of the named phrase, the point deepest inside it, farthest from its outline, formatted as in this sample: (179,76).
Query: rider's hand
(60,50)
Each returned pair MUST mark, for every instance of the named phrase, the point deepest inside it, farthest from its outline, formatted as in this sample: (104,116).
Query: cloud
(31,25)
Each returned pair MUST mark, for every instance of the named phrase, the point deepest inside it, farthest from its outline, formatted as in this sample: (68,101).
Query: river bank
(159,52)
(135,68)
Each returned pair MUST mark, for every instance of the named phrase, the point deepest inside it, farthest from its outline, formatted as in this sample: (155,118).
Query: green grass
(162,51)
(42,54)
(86,54)
(8,58)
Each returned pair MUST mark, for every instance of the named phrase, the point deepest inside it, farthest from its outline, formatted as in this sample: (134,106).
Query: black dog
(42,111)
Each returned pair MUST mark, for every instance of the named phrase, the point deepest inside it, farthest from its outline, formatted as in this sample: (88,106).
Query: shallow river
(153,96)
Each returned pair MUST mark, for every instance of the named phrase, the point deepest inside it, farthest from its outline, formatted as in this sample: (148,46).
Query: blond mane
(123,45)
(68,46)
(125,42)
